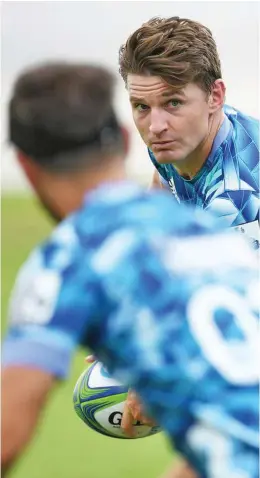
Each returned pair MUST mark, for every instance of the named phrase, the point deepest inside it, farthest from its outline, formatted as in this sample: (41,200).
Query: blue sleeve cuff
(36,354)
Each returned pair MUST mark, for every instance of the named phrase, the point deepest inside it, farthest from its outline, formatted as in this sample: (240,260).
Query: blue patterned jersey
(167,301)
(228,183)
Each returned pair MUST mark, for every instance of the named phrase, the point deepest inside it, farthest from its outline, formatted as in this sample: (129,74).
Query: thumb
(127,422)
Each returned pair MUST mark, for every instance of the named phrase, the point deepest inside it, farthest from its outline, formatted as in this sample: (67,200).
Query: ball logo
(115,419)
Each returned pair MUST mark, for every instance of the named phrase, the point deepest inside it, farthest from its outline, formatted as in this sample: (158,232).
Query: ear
(126,139)
(29,167)
(217,96)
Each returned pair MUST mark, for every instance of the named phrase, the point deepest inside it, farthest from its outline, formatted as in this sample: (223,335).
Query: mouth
(162,145)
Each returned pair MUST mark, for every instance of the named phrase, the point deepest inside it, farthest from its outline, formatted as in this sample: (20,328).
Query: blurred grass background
(63,446)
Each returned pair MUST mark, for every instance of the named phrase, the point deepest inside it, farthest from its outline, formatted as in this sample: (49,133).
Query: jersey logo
(35,295)
(173,189)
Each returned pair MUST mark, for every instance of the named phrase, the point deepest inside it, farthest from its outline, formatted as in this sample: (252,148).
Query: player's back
(188,293)
(140,276)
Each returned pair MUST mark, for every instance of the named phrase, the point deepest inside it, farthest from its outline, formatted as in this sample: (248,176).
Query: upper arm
(33,338)
(50,311)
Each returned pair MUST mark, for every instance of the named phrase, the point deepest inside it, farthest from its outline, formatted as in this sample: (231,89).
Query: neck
(192,164)
(67,192)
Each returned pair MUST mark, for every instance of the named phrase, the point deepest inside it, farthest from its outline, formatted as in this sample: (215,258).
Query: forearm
(17,430)
(21,408)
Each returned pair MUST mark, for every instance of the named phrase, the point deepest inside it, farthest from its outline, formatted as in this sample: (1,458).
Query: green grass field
(64,447)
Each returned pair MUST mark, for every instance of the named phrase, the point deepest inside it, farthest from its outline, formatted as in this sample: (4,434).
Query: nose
(158,122)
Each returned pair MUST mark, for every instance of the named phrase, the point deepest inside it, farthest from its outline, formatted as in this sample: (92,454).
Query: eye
(175,103)
(140,107)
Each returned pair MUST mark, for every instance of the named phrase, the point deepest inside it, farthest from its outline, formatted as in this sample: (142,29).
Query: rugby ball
(99,401)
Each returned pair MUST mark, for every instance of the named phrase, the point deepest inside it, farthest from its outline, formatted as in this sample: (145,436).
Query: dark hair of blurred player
(65,130)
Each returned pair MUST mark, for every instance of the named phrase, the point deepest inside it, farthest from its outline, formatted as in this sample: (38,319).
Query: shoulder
(40,280)
(234,113)
(246,127)
(55,253)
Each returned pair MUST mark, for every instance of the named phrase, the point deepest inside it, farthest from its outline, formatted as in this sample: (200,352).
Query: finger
(133,404)
(127,422)
(140,417)
(147,421)
(90,359)
(138,412)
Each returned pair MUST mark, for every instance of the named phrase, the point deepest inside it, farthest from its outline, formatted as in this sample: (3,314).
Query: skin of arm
(21,411)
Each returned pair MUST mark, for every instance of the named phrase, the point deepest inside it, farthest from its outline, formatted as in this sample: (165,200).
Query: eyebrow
(165,94)
(173,92)
(136,98)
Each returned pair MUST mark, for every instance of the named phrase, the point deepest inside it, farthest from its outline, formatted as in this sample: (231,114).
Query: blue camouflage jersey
(228,183)
(167,300)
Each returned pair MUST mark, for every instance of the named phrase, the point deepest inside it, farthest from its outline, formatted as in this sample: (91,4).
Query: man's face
(173,124)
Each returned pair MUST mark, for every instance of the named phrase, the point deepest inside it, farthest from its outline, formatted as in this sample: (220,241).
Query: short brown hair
(60,112)
(178,50)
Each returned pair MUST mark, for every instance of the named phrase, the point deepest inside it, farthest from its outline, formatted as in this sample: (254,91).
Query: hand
(133,411)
